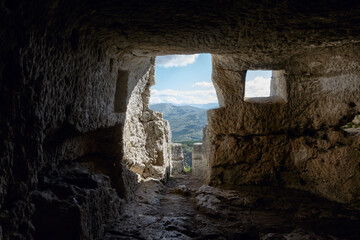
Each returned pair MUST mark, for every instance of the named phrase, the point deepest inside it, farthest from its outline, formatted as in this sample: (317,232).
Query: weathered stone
(177,158)
(177,167)
(197,153)
(76,204)
(74,80)
(251,141)
(147,137)
(177,152)
(309,163)
(198,162)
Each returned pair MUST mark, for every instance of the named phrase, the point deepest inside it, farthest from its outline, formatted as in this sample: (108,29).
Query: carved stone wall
(59,99)
(295,143)
(71,115)
(74,117)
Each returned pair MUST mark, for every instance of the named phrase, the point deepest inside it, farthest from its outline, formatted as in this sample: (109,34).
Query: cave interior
(80,143)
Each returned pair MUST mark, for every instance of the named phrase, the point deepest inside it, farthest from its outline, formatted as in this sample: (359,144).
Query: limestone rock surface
(309,163)
(198,161)
(177,158)
(292,138)
(74,89)
(147,137)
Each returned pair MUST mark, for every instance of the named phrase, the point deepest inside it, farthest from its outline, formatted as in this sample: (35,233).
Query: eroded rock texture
(198,161)
(58,109)
(65,102)
(75,205)
(147,137)
(177,159)
(74,88)
(291,139)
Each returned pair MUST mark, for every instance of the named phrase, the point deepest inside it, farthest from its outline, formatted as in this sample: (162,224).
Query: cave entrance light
(183,92)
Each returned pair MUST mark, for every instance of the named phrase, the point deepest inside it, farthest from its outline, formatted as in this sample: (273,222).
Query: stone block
(177,159)
(198,161)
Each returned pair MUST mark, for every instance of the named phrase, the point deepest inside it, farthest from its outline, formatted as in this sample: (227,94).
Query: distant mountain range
(206,106)
(186,122)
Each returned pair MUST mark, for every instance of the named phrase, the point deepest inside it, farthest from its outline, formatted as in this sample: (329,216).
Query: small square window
(265,85)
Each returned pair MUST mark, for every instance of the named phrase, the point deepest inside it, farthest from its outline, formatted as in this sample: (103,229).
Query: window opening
(257,83)
(265,85)
(183,92)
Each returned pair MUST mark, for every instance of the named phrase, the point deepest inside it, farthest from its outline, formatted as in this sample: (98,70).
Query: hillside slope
(186,122)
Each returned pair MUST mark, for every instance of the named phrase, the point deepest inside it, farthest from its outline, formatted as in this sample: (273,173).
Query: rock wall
(294,142)
(147,137)
(75,205)
(62,108)
(177,159)
(74,80)
(59,108)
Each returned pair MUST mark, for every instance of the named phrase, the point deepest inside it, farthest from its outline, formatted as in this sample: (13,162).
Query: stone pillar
(177,159)
(198,163)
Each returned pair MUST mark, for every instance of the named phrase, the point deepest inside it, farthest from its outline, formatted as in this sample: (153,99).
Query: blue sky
(186,79)
(182,77)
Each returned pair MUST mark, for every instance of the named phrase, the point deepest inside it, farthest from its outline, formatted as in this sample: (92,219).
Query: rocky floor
(186,209)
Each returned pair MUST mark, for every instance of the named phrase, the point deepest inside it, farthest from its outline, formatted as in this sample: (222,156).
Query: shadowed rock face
(217,27)
(74,80)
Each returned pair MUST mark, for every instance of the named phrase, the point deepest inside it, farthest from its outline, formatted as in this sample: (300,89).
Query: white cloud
(203,84)
(175,60)
(258,87)
(155,100)
(183,97)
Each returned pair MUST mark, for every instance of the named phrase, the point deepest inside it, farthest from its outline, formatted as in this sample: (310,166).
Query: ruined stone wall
(147,137)
(198,161)
(296,142)
(177,158)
